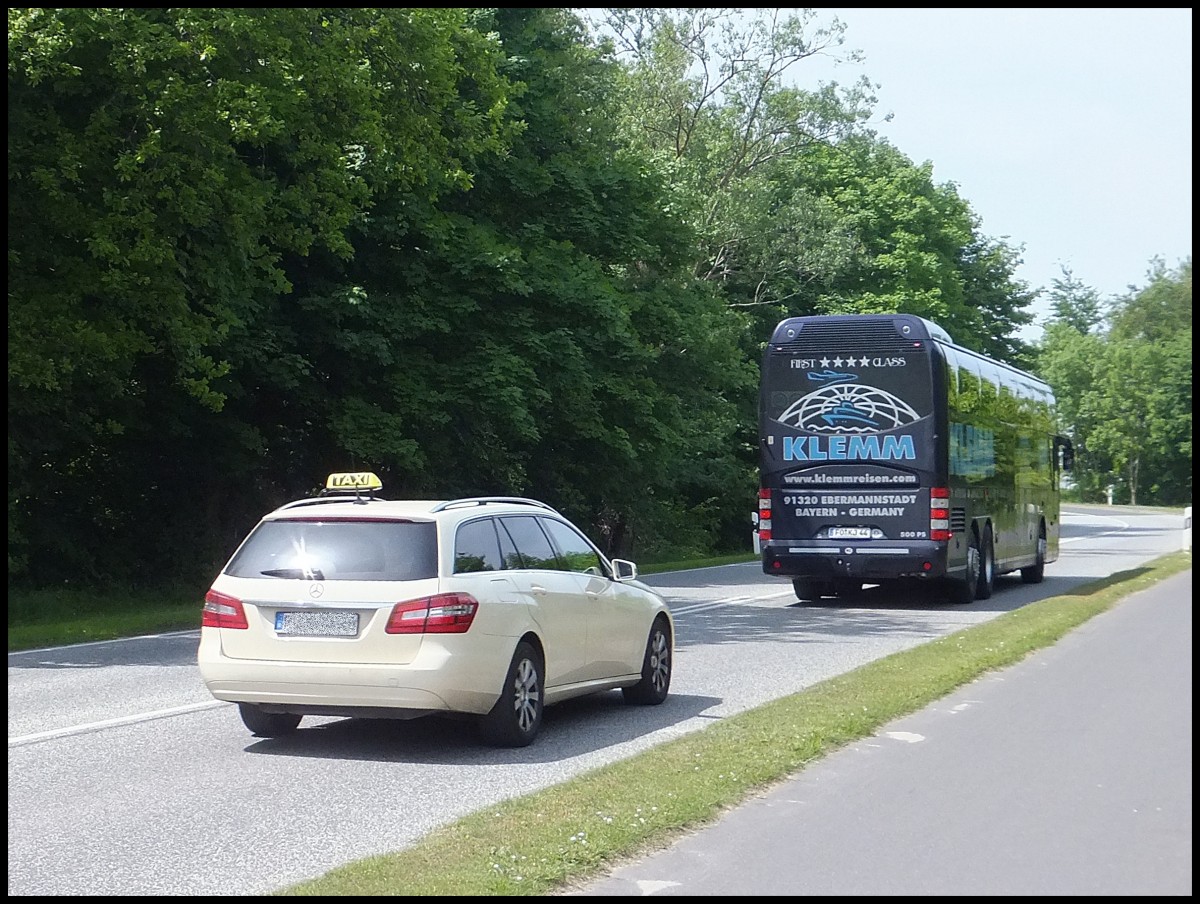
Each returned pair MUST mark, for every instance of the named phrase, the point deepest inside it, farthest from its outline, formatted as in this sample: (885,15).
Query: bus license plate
(850,533)
(316,624)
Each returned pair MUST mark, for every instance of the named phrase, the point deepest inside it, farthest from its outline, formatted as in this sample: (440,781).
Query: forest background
(516,252)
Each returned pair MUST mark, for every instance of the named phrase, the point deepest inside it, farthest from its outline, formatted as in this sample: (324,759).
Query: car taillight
(445,613)
(221,611)
(939,514)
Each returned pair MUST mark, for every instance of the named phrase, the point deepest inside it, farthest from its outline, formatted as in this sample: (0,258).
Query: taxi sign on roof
(354,480)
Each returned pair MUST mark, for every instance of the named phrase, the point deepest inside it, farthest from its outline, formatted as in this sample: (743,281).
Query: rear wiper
(313,574)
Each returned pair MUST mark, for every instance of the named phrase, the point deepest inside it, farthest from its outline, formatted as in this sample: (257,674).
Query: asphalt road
(1069,774)
(126,778)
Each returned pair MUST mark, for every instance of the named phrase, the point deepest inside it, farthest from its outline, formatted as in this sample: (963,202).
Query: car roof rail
(484,500)
(326,500)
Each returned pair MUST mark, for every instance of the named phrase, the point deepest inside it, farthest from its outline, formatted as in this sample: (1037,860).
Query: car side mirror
(624,570)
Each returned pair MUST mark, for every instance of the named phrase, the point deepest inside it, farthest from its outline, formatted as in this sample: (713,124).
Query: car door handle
(538,589)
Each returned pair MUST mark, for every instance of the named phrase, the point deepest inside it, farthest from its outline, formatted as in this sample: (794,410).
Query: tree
(1119,418)
(1071,362)
(549,314)
(1075,305)
(918,248)
(798,207)
(1157,321)
(169,170)
(708,92)
(1124,385)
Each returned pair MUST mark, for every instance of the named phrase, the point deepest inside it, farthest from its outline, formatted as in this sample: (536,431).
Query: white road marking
(1121,526)
(650,886)
(111,723)
(907,736)
(715,604)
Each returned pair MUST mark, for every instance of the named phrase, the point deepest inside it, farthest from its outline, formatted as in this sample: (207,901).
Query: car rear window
(338,550)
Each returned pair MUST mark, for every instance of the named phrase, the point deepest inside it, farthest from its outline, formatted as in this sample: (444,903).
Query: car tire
(517,716)
(656,668)
(263,724)
(987,566)
(1037,571)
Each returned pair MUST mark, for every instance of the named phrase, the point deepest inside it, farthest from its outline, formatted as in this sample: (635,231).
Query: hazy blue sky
(1067,131)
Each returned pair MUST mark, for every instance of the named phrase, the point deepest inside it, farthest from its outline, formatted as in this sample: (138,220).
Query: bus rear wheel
(987,566)
(845,588)
(961,591)
(806,589)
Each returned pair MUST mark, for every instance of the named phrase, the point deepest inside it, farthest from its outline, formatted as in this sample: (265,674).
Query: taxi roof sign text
(353,480)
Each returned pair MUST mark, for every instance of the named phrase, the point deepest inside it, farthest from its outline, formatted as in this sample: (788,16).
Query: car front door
(617,623)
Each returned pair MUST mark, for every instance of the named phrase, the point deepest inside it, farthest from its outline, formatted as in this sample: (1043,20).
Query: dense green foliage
(473,250)
(183,189)
(1124,384)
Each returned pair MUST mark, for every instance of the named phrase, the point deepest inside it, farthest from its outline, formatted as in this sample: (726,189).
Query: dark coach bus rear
(853,479)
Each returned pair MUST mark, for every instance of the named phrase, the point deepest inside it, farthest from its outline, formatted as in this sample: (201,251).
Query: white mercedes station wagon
(346,604)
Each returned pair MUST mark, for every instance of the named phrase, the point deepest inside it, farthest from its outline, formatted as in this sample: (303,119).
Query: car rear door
(557,602)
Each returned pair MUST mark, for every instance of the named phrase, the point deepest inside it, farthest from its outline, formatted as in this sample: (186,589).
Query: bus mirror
(1068,452)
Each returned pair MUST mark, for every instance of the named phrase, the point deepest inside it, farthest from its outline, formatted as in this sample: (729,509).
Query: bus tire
(1035,572)
(846,588)
(987,565)
(806,589)
(961,591)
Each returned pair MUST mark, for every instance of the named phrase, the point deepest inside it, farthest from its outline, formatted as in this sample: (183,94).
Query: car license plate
(313,623)
(850,533)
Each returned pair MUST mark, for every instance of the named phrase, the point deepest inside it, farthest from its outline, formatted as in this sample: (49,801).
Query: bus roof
(918,327)
(908,326)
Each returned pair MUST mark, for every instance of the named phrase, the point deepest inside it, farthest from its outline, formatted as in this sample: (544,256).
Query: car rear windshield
(315,550)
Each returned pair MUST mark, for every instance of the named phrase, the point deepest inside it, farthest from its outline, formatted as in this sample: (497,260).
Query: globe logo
(845,408)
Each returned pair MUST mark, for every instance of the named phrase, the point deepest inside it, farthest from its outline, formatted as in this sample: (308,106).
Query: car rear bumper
(454,684)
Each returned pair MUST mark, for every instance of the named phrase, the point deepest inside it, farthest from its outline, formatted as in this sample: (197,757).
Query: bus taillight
(764,515)
(939,514)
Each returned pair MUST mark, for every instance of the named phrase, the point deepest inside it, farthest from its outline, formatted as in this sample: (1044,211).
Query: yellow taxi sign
(353,480)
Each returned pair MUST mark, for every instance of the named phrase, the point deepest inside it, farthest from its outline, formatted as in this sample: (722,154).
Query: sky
(1067,131)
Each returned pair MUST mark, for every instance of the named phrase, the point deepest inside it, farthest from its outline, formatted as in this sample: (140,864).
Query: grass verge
(542,843)
(51,618)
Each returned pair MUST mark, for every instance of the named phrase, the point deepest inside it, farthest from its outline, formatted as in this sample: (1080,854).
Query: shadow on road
(570,729)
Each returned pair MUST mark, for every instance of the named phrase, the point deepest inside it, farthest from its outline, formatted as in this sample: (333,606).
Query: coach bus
(889,453)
